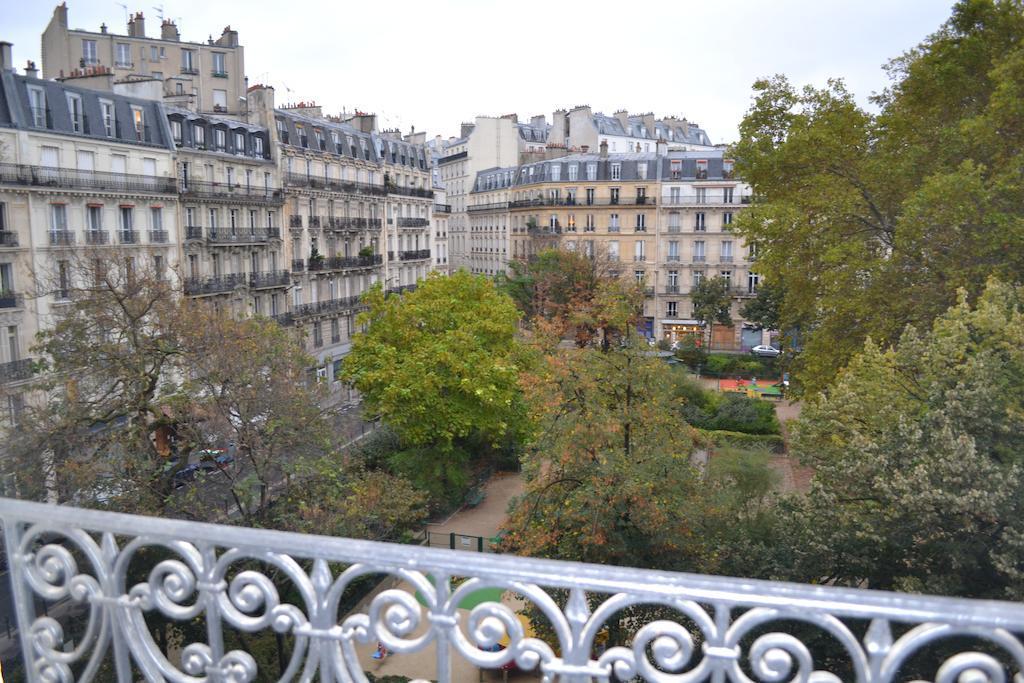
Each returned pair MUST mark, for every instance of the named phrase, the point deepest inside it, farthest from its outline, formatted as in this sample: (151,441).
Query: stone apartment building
(85,176)
(660,218)
(231,203)
(203,77)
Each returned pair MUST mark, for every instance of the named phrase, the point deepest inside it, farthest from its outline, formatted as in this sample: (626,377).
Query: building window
(613,250)
(726,220)
(574,170)
(727,276)
(672,310)
(613,222)
(639,276)
(727,195)
(63,280)
(89,57)
(220,100)
(156,218)
(699,224)
(58,217)
(676,167)
(176,131)
(698,276)
(127,223)
(37,100)
(94,218)
(556,171)
(702,195)
(239,143)
(616,171)
(641,222)
(124,56)
(318,337)
(589,226)
(107,108)
(673,280)
(591,170)
(698,251)
(158,266)
(615,195)
(219,139)
(641,170)
(673,250)
(219,65)
(139,120)
(199,135)
(257,146)
(75,110)
(638,251)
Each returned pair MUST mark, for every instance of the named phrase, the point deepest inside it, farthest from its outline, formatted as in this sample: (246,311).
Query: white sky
(435,63)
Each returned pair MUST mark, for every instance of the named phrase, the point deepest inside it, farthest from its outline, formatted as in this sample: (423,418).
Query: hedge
(771,442)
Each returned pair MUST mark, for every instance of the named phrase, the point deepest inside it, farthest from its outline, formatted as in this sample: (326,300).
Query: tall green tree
(712,303)
(917,456)
(440,365)
(872,222)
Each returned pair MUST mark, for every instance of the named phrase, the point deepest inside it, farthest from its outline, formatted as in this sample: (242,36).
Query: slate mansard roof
(191,121)
(351,142)
(56,117)
(610,125)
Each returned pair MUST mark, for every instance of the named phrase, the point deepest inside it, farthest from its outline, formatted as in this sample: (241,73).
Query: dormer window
(257,145)
(176,131)
(318,135)
(239,143)
(702,169)
(220,138)
(75,110)
(199,135)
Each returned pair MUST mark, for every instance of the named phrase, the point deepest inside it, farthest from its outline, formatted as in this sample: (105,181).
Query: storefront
(676,330)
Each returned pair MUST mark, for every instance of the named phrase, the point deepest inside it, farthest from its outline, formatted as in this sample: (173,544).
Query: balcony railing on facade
(294,221)
(15,370)
(250,194)
(596,201)
(8,238)
(401,289)
(197,286)
(351,223)
(348,303)
(241,235)
(9,299)
(711,202)
(270,278)
(44,176)
(333,184)
(493,206)
(343,262)
(62,238)
(405,222)
(219,578)
(409,191)
(158,237)
(413,255)
(442,208)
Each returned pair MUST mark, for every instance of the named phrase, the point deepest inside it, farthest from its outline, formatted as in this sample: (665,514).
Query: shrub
(722,438)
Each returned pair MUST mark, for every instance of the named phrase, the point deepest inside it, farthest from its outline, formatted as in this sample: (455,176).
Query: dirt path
(794,476)
(486,518)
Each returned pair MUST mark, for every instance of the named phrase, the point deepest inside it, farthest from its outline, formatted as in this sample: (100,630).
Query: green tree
(441,365)
(873,222)
(765,309)
(917,452)
(712,303)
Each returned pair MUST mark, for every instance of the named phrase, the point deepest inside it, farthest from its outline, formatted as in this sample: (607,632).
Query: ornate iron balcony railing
(235,579)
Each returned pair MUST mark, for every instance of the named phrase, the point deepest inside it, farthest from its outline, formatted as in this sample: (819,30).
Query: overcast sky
(434,63)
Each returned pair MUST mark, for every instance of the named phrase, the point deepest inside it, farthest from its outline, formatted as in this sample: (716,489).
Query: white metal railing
(58,553)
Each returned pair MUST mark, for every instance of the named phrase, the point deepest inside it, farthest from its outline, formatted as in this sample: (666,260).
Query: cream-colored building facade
(203,77)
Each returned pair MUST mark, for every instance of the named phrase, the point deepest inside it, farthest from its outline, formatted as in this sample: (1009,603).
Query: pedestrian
(381,652)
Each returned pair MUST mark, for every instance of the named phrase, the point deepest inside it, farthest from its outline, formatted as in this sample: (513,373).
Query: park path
(794,477)
(483,520)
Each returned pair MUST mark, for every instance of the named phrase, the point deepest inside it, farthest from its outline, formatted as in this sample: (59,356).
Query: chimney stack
(538,121)
(169,31)
(30,69)
(137,26)
(623,118)
(6,56)
(604,149)
(103,28)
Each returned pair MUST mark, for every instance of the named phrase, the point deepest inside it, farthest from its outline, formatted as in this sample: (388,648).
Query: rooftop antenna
(159,12)
(125,8)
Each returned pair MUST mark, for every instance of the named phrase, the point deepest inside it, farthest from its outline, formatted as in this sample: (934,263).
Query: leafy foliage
(712,303)
(441,366)
(872,222)
(918,466)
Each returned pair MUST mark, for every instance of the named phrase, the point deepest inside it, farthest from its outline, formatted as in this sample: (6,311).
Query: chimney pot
(30,69)
(6,56)
(604,149)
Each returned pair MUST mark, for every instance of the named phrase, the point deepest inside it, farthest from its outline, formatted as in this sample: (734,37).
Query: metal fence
(232,579)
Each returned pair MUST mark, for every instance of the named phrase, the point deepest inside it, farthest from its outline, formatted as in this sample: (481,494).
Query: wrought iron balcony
(442,208)
(298,264)
(8,238)
(344,262)
(357,223)
(348,303)
(9,299)
(597,201)
(414,254)
(193,232)
(270,278)
(250,194)
(62,238)
(43,176)
(671,289)
(413,222)
(15,370)
(284,319)
(228,579)
(294,221)
(97,237)
(333,184)
(241,235)
(493,206)
(409,191)
(158,237)
(128,236)
(401,289)
(214,285)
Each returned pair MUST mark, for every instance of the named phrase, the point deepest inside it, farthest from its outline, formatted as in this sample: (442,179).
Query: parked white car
(765,351)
